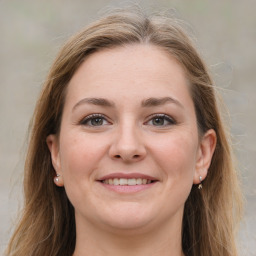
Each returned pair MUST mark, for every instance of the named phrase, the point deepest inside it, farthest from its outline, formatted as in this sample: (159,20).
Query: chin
(128,218)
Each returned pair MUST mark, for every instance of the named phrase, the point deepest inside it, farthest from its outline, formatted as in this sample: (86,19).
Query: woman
(128,154)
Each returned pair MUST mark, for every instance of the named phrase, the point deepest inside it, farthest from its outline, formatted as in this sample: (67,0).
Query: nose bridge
(128,142)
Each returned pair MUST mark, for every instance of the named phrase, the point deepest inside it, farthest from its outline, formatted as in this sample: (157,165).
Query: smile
(127,182)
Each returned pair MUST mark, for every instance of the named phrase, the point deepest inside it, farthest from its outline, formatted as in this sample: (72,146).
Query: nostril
(133,157)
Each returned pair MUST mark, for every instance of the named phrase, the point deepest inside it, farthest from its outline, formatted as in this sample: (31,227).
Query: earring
(56,179)
(200,186)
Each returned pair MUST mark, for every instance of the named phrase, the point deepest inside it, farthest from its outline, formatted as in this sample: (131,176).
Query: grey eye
(161,120)
(158,121)
(97,121)
(94,120)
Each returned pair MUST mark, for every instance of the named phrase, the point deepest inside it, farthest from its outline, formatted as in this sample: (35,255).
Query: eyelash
(92,117)
(165,118)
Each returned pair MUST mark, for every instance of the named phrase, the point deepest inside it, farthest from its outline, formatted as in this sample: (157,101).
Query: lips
(125,182)
(131,179)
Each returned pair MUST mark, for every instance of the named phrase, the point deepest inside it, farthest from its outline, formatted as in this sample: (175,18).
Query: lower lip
(127,188)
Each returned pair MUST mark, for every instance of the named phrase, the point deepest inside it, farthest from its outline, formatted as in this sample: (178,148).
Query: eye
(94,120)
(161,120)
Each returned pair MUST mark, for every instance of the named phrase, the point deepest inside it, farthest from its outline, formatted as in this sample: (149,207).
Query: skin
(129,138)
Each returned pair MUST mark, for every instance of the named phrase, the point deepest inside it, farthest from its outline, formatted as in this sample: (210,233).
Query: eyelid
(90,117)
(171,120)
(84,120)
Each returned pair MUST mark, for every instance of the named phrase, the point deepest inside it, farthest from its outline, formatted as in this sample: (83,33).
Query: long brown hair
(47,226)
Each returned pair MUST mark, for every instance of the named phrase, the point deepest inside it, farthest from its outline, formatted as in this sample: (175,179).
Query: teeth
(132,182)
(125,182)
(115,182)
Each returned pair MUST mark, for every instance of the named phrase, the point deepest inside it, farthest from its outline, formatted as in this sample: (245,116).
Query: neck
(164,241)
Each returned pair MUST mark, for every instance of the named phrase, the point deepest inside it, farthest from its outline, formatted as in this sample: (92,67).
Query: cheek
(177,157)
(80,154)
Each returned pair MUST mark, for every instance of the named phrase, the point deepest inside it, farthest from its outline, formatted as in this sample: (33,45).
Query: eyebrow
(94,101)
(152,102)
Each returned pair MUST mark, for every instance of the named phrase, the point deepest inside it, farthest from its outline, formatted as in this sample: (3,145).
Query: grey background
(31,33)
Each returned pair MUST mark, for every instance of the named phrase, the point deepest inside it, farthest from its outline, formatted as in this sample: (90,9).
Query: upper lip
(127,176)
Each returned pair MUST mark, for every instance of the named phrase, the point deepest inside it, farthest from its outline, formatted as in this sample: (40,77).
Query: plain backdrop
(31,32)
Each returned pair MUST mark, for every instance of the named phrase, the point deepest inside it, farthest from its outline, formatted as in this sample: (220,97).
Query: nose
(127,145)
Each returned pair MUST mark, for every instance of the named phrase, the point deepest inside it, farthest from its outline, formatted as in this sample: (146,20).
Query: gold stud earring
(200,186)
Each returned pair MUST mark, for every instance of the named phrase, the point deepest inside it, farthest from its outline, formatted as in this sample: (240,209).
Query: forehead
(139,69)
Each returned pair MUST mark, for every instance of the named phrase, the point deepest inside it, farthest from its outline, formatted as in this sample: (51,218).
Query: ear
(204,157)
(53,145)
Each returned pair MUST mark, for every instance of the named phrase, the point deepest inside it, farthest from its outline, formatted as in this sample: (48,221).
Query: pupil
(158,121)
(97,121)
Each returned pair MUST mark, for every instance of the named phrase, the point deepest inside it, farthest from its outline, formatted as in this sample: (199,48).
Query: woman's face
(128,150)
